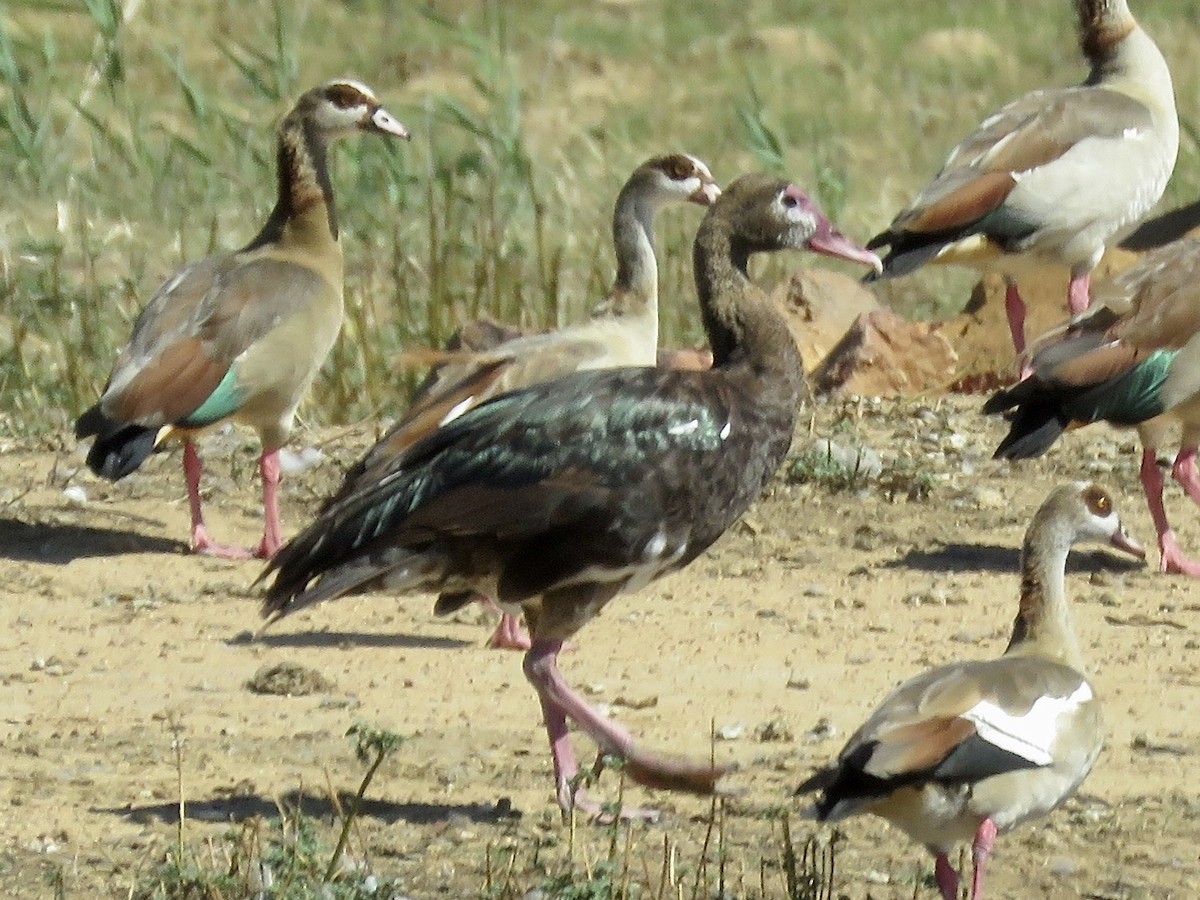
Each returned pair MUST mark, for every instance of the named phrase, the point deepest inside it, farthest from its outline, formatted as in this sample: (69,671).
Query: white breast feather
(1032,735)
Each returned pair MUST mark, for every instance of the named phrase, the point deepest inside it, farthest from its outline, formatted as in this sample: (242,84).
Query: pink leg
(509,635)
(1173,560)
(1184,472)
(1014,308)
(947,878)
(201,542)
(1079,293)
(985,839)
(560,702)
(272,539)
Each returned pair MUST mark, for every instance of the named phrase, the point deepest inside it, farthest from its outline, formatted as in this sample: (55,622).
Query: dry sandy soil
(783,636)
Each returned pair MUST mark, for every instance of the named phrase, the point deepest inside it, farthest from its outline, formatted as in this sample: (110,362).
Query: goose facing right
(968,750)
(240,335)
(556,498)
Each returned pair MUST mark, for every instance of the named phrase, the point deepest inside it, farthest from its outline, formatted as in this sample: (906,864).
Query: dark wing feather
(583,471)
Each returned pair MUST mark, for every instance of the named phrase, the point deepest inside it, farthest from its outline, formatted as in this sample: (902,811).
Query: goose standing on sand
(1055,176)
(241,335)
(623,331)
(1133,359)
(968,750)
(558,497)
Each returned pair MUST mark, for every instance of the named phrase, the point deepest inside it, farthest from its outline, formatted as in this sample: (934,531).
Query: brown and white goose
(623,331)
(968,750)
(558,497)
(1055,176)
(1133,359)
(240,336)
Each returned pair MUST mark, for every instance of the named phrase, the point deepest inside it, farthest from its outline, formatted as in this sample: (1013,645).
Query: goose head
(342,106)
(1084,511)
(769,213)
(676,177)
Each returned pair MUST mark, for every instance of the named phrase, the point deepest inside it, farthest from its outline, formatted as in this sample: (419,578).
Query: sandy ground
(783,637)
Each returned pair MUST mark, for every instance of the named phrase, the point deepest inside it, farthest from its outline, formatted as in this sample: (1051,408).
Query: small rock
(730,732)
(822,731)
(775,730)
(75,495)
(288,680)
(294,462)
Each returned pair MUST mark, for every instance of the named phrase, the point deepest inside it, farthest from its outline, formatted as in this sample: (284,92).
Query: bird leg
(1184,472)
(560,702)
(1014,308)
(272,539)
(1172,559)
(1079,293)
(193,468)
(946,877)
(985,839)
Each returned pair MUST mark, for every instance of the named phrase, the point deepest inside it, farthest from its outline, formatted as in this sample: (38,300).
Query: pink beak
(1122,541)
(830,242)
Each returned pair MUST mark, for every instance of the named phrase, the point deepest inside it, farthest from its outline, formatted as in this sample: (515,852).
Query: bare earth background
(783,637)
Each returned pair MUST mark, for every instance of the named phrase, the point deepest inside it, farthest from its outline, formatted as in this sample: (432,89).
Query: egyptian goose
(971,749)
(1132,359)
(241,335)
(558,497)
(1055,176)
(623,331)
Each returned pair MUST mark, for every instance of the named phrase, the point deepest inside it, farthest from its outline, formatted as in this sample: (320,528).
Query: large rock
(820,306)
(981,336)
(883,355)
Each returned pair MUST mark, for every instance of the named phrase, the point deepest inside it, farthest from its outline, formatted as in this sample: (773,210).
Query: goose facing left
(240,336)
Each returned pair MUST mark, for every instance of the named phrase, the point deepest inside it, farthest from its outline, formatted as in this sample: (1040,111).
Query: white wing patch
(1032,735)
(726,430)
(684,428)
(457,410)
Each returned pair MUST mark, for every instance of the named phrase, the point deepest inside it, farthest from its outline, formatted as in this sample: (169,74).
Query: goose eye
(1098,502)
(788,201)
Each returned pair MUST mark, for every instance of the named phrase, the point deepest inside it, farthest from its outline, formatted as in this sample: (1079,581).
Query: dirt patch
(778,641)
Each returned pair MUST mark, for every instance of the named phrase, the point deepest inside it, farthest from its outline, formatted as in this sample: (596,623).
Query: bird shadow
(241,808)
(60,544)
(319,639)
(1003,559)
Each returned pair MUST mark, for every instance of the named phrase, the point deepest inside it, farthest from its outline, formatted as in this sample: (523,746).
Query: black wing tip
(115,455)
(820,780)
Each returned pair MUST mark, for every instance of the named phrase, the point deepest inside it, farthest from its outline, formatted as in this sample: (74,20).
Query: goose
(240,336)
(1133,359)
(1056,175)
(623,331)
(968,750)
(555,498)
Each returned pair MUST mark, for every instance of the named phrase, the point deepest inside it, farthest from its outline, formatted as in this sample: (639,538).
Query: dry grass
(138,136)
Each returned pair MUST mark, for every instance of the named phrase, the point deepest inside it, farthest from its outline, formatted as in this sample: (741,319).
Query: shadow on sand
(350,639)
(239,809)
(44,542)
(1004,559)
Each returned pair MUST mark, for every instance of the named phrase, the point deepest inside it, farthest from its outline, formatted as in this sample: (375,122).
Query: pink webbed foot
(203,545)
(1173,560)
(560,703)
(509,635)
